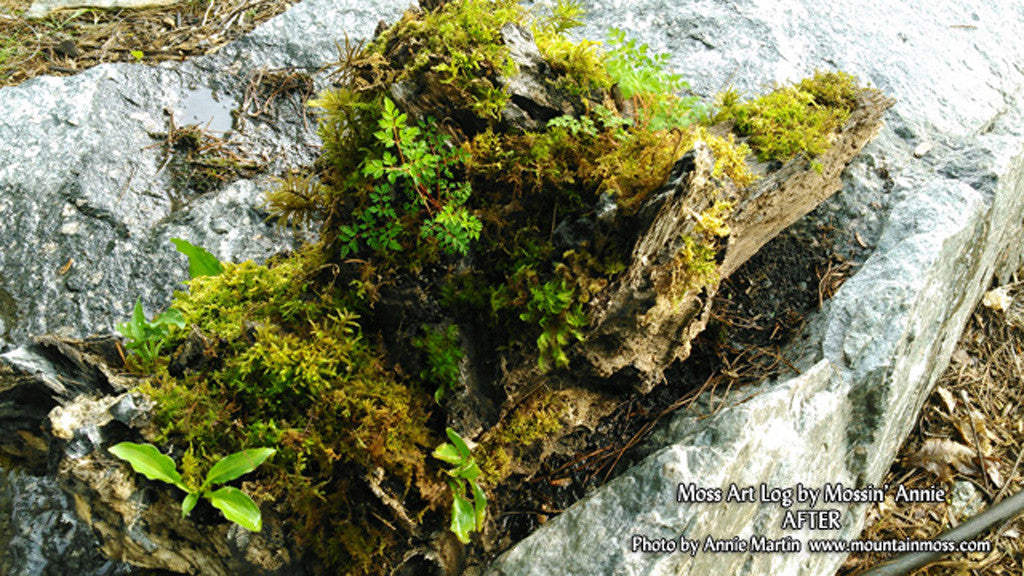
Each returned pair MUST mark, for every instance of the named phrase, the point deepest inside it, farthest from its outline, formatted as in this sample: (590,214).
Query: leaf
(463,517)
(188,504)
(237,507)
(171,316)
(480,504)
(136,326)
(237,464)
(459,443)
(468,470)
(942,457)
(998,299)
(200,262)
(448,453)
(148,461)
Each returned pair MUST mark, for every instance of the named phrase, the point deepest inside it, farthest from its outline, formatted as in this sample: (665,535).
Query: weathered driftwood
(636,326)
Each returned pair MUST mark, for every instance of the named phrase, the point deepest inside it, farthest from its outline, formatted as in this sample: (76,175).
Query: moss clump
(460,42)
(200,162)
(793,120)
(537,418)
(444,355)
(288,367)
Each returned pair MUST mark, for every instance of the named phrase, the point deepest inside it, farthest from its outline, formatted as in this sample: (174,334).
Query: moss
(793,120)
(293,370)
(695,264)
(200,162)
(537,418)
(444,355)
(460,41)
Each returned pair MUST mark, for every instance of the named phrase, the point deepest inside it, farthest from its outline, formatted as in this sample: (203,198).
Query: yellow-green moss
(289,368)
(461,41)
(533,420)
(792,120)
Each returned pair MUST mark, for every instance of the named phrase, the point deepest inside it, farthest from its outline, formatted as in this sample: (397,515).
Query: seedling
(236,505)
(467,516)
(200,261)
(147,338)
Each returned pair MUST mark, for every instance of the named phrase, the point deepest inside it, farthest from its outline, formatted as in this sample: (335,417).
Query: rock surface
(940,224)
(88,199)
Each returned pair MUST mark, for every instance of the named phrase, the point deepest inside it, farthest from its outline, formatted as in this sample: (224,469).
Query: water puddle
(204,107)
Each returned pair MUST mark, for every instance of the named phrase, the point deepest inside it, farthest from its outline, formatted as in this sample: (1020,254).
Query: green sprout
(236,505)
(467,516)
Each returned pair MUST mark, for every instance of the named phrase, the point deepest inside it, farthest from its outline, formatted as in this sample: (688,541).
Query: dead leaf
(947,398)
(942,456)
(993,472)
(975,422)
(997,299)
(960,356)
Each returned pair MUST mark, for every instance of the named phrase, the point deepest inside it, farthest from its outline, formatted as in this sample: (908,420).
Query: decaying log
(636,326)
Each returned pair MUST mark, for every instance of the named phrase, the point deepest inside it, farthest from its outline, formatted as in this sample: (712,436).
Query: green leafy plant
(148,338)
(444,354)
(421,165)
(467,515)
(236,505)
(645,78)
(565,15)
(200,261)
(574,125)
(553,306)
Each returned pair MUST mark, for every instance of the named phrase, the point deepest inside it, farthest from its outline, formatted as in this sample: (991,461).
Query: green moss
(579,66)
(444,354)
(533,420)
(460,41)
(793,120)
(292,370)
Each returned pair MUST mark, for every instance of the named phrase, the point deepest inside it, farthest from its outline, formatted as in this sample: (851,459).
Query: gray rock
(940,225)
(87,206)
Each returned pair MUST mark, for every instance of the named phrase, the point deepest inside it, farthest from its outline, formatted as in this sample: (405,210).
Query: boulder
(936,198)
